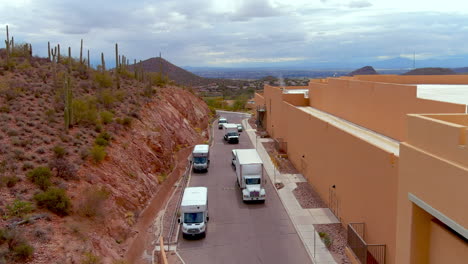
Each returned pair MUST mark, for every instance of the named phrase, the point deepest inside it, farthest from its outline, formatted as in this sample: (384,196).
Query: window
(252,181)
(199,160)
(193,218)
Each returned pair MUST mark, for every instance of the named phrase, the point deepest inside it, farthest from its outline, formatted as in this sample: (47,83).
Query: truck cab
(221,122)
(231,135)
(194,212)
(249,172)
(201,157)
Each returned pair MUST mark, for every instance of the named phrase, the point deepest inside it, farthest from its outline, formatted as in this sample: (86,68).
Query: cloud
(359,4)
(250,9)
(203,32)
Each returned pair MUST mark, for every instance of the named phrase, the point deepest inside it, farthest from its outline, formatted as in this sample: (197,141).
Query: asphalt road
(239,232)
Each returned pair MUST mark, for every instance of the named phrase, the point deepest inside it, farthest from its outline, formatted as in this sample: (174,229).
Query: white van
(201,157)
(194,212)
(221,122)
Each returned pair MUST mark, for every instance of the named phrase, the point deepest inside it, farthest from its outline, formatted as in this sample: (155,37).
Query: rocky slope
(147,127)
(367,70)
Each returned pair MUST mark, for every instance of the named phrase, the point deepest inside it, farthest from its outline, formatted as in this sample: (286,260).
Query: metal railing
(365,253)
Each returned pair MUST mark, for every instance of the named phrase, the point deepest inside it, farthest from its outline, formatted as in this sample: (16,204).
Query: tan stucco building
(391,165)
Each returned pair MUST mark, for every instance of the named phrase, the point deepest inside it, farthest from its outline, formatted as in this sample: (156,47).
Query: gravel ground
(284,164)
(307,197)
(338,237)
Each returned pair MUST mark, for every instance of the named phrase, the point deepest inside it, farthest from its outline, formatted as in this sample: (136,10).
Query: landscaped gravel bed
(307,197)
(337,235)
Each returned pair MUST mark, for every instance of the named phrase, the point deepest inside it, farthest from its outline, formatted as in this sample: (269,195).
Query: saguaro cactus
(81,52)
(117,65)
(68,109)
(58,54)
(69,60)
(103,63)
(48,49)
(89,63)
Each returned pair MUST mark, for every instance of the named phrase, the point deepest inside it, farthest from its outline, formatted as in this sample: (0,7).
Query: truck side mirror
(178,220)
(207,218)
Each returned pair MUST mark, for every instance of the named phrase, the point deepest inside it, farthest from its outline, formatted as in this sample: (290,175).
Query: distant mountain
(367,70)
(430,71)
(461,70)
(177,74)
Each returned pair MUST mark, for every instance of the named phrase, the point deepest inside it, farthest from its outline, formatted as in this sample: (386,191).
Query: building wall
(434,168)
(381,107)
(415,79)
(445,247)
(365,176)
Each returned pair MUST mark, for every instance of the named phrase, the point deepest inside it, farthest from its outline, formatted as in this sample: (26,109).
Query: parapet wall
(415,79)
(381,107)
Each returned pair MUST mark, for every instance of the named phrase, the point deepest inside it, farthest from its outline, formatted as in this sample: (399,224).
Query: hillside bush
(65,169)
(103,80)
(23,251)
(55,200)
(85,110)
(59,151)
(93,201)
(9,181)
(103,139)
(41,177)
(19,208)
(106,117)
(98,153)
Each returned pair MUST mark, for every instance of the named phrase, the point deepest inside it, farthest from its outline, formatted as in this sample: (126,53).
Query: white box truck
(231,135)
(194,212)
(249,171)
(201,157)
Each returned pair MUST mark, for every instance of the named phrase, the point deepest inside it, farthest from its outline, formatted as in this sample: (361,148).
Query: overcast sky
(237,33)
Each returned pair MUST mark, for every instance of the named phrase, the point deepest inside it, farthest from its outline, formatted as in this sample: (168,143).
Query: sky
(243,33)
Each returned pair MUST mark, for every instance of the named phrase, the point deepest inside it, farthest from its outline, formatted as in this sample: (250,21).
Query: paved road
(238,232)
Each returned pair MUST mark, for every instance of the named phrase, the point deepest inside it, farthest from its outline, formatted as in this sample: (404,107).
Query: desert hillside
(82,153)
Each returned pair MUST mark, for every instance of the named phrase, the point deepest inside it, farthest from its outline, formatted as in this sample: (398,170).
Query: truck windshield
(252,181)
(222,121)
(232,134)
(199,160)
(193,218)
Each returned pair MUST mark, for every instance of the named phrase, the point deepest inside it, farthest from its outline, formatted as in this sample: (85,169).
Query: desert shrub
(9,181)
(3,235)
(27,166)
(23,251)
(93,201)
(19,208)
(20,50)
(326,239)
(162,178)
(159,79)
(65,169)
(85,110)
(127,121)
(41,177)
(50,115)
(59,151)
(55,200)
(103,80)
(103,139)
(148,90)
(98,153)
(90,258)
(106,117)
(4,109)
(107,97)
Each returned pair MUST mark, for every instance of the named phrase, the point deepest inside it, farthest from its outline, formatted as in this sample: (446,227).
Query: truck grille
(193,230)
(254,194)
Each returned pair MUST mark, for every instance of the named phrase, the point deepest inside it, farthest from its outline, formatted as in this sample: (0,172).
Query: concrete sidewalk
(303,219)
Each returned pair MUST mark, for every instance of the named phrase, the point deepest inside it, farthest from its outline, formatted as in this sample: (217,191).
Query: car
(240,128)
(221,122)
